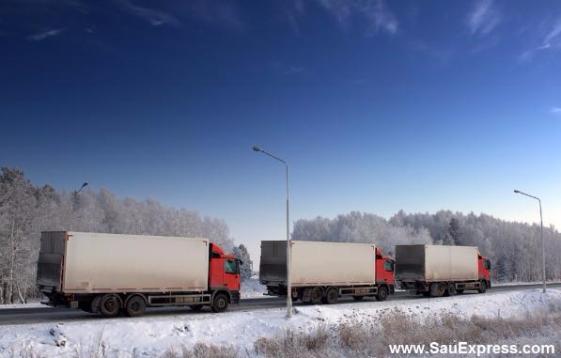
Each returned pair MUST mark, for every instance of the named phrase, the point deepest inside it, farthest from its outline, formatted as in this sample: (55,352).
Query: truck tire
(306,295)
(436,290)
(451,290)
(219,303)
(482,287)
(317,294)
(382,293)
(110,305)
(135,306)
(332,295)
(96,304)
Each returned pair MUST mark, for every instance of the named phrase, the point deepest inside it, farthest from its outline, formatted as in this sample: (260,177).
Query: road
(10,316)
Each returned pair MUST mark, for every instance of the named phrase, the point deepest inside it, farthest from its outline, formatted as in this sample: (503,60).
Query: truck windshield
(388,265)
(231,266)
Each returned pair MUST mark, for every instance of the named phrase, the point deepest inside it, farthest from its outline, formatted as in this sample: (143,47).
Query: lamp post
(75,200)
(541,232)
(288,248)
(82,187)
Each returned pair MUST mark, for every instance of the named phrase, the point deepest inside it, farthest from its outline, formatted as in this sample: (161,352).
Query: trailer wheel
(382,293)
(135,306)
(482,287)
(316,295)
(451,291)
(219,303)
(110,305)
(436,290)
(332,295)
(96,304)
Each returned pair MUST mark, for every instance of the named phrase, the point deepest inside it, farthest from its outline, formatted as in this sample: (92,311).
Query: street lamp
(82,187)
(288,254)
(75,201)
(541,232)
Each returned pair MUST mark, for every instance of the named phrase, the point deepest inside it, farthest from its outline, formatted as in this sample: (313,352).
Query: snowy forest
(26,210)
(514,248)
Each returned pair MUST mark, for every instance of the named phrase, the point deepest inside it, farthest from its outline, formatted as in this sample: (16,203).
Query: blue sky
(377,105)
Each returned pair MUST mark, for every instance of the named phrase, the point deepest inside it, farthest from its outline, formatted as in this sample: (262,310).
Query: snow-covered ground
(151,336)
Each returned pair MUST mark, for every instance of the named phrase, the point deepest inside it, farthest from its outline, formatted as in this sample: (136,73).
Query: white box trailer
(350,268)
(450,268)
(163,270)
(134,263)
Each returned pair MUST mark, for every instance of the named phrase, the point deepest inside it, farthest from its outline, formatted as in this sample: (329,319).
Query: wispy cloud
(555,110)
(153,16)
(40,36)
(483,17)
(376,14)
(553,37)
(551,41)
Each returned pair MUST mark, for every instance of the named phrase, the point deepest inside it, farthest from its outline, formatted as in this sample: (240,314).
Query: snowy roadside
(152,336)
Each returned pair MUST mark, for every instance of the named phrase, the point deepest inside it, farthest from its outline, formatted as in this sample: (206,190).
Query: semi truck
(437,270)
(323,272)
(112,274)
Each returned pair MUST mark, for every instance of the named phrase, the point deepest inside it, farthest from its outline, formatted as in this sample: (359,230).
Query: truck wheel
(110,305)
(331,296)
(451,291)
(382,293)
(482,287)
(306,296)
(219,303)
(316,295)
(135,306)
(436,290)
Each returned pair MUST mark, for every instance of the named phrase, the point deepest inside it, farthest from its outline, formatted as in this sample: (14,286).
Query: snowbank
(151,336)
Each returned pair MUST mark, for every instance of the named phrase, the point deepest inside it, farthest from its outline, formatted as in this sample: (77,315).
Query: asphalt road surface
(10,316)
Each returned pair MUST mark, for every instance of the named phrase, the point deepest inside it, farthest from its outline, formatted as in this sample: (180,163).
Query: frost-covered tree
(247,265)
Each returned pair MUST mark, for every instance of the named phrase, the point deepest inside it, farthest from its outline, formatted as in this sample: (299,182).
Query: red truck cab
(385,271)
(224,273)
(484,269)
